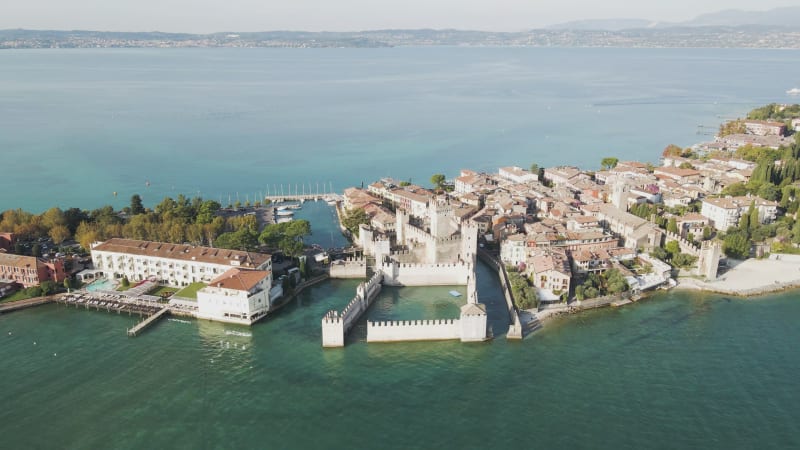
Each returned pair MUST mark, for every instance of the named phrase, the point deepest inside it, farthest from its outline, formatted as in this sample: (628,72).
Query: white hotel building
(237,296)
(172,264)
(725,212)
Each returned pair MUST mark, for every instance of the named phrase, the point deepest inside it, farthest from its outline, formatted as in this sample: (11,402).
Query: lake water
(678,370)
(78,125)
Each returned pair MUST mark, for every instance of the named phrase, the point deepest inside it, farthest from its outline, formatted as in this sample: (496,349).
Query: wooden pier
(147,322)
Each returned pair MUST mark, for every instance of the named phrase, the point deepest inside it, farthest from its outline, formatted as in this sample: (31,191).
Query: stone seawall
(414,330)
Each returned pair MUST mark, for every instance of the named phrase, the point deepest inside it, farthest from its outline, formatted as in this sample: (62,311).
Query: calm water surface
(78,125)
(678,370)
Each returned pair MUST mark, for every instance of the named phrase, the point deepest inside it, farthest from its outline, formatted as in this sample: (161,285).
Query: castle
(434,249)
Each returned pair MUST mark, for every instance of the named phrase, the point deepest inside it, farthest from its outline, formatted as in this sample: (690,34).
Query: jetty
(147,322)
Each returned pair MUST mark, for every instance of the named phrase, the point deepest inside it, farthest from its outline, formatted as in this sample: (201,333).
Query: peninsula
(719,216)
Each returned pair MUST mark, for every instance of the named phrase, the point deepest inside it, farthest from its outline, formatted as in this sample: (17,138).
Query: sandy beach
(752,277)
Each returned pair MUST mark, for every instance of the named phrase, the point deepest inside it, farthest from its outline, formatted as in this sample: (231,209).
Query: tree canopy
(352,218)
(437,180)
(609,162)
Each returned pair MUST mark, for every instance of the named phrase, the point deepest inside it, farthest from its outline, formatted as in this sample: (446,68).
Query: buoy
(55,354)
(9,333)
(34,342)
(115,193)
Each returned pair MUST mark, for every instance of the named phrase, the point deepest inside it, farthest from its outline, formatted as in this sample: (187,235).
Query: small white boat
(284,220)
(285,213)
(793,91)
(455,293)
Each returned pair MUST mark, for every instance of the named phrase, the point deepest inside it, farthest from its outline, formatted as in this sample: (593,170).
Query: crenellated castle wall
(413,330)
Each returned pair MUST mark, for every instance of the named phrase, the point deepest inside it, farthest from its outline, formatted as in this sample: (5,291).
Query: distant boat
(455,293)
(284,220)
(284,213)
(793,91)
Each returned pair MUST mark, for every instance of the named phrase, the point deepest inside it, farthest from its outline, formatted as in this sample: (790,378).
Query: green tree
(34,291)
(769,191)
(67,283)
(206,212)
(755,222)
(735,190)
(242,239)
(609,162)
(53,217)
(686,165)
(684,260)
(672,225)
(136,205)
(744,222)
(59,234)
(125,282)
(47,287)
(673,248)
(437,180)
(36,250)
(736,245)
(706,233)
(615,282)
(660,253)
(534,168)
(353,218)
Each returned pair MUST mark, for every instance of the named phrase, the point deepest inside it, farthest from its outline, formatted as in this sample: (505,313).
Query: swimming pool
(103,284)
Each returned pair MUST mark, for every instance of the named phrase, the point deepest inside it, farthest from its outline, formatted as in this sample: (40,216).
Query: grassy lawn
(190,291)
(163,291)
(122,288)
(19,295)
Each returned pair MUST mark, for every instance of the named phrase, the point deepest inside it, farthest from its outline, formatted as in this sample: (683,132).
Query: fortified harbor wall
(685,245)
(335,325)
(413,330)
(350,268)
(449,274)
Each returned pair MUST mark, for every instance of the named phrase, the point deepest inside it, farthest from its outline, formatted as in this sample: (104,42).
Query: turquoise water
(99,285)
(678,370)
(325,230)
(224,121)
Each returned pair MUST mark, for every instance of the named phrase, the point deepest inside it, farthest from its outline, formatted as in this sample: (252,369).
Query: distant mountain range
(778,28)
(788,17)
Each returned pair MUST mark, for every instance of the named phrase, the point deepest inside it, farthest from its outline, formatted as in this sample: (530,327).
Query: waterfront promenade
(23,304)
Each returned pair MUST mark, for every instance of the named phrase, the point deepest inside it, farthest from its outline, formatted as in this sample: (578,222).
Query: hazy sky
(203,16)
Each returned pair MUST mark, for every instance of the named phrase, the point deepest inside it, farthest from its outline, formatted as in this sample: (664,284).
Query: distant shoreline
(711,37)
